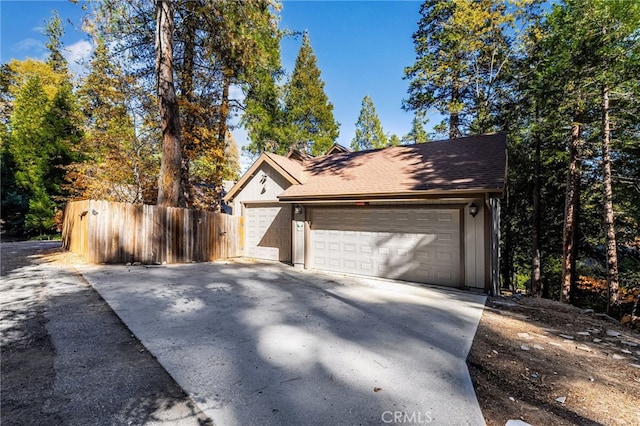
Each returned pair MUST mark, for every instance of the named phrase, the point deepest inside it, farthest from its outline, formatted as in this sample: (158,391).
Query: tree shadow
(470,163)
(68,359)
(297,348)
(414,249)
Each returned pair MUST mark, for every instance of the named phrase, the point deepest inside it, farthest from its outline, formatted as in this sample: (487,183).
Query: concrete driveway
(264,344)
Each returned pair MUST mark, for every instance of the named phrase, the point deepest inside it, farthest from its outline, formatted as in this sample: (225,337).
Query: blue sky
(362,48)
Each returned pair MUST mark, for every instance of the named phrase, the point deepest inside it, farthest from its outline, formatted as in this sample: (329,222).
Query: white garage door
(413,244)
(267,230)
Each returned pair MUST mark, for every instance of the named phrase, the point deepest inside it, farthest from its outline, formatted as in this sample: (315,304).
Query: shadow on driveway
(261,343)
(67,359)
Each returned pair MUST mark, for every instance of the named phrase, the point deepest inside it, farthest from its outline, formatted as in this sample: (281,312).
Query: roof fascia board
(284,172)
(391,196)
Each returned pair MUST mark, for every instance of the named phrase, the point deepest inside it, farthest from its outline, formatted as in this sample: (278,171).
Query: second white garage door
(412,244)
(267,230)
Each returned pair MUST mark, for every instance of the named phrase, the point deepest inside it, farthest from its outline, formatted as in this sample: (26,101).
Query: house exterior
(425,213)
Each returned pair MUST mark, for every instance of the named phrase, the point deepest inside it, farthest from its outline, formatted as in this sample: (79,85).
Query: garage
(427,213)
(268,231)
(419,244)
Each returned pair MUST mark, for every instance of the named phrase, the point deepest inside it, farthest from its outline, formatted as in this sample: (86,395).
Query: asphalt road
(68,359)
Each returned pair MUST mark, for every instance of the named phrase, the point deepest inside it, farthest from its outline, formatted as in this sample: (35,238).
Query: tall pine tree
(43,129)
(308,112)
(264,116)
(118,160)
(417,134)
(369,133)
(462,55)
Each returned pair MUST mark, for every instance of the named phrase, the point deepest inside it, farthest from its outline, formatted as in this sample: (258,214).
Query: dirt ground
(547,363)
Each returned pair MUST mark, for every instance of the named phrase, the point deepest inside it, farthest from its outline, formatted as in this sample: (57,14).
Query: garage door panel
(268,232)
(414,244)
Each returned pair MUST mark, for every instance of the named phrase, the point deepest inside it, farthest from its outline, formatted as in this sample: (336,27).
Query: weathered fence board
(109,232)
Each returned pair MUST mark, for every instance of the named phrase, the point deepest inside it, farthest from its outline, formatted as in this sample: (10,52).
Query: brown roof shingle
(474,163)
(293,167)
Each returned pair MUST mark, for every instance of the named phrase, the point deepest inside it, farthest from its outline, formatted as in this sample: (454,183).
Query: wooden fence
(109,232)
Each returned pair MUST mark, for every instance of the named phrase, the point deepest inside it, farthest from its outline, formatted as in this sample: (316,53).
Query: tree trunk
(169,182)
(609,228)
(507,268)
(222,135)
(572,199)
(536,258)
(224,110)
(186,91)
(454,117)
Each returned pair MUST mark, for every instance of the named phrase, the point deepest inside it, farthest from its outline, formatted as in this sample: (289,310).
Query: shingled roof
(473,164)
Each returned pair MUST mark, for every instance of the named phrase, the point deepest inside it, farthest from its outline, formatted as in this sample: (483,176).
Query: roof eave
(391,195)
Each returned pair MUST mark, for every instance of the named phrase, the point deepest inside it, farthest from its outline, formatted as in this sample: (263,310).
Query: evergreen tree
(42,132)
(369,133)
(264,117)
(118,162)
(557,132)
(462,55)
(417,134)
(394,140)
(54,32)
(23,153)
(308,112)
(39,145)
(217,46)
(27,89)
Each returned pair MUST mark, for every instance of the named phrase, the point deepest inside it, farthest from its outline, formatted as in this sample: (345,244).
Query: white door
(412,244)
(267,230)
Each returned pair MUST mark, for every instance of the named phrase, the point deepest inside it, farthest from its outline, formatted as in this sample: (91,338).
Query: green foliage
(394,140)
(369,133)
(309,114)
(15,199)
(417,134)
(54,31)
(40,129)
(115,161)
(39,144)
(463,50)
(42,210)
(264,117)
(297,115)
(557,81)
(27,133)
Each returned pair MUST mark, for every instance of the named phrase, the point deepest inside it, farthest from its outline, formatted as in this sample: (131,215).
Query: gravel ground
(67,359)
